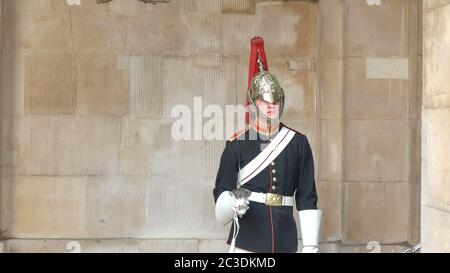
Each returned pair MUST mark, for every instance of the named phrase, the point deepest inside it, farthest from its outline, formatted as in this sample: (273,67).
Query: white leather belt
(271,199)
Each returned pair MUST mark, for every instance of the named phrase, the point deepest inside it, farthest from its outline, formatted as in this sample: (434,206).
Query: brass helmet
(265,86)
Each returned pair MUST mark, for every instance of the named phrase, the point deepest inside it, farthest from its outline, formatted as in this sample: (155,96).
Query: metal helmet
(265,86)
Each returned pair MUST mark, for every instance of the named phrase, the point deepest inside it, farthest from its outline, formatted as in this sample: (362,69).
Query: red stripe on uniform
(270,210)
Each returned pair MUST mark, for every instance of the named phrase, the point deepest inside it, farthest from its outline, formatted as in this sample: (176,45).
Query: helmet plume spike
(260,63)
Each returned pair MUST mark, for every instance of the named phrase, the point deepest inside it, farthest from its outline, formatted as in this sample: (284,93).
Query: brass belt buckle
(273,199)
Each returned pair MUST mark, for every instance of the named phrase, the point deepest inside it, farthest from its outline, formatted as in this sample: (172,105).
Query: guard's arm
(227,198)
(306,201)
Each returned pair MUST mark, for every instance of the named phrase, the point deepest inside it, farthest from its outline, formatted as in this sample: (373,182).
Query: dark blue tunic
(267,228)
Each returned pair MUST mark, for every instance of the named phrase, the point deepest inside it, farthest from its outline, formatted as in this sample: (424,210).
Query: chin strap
(310,229)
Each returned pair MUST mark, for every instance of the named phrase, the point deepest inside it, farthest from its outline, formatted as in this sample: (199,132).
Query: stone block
(330,88)
(435,235)
(237,43)
(37,33)
(330,196)
(65,145)
(292,28)
(388,29)
(184,81)
(375,151)
(12,83)
(152,208)
(331,28)
(436,83)
(29,7)
(435,154)
(44,207)
(102,246)
(174,25)
(98,33)
(148,148)
(375,212)
(102,88)
(238,6)
(50,84)
(213,246)
(330,150)
(387,68)
(8,146)
(431,5)
(373,99)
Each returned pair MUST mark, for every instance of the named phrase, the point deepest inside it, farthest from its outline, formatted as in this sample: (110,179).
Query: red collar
(266,130)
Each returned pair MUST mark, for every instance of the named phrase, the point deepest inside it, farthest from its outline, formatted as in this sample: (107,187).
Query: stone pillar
(1,118)
(369,122)
(380,123)
(330,120)
(435,222)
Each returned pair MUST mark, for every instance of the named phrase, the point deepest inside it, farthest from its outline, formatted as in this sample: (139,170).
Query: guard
(265,170)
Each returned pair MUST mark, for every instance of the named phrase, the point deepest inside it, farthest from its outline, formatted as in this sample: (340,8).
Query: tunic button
(273,163)
(273,171)
(274,179)
(274,188)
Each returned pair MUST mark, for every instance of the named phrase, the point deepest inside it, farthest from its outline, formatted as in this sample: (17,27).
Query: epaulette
(237,134)
(284,125)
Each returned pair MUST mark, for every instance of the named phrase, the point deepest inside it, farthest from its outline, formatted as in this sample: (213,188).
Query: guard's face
(270,110)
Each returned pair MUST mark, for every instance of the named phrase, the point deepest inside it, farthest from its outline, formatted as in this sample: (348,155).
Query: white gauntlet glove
(230,202)
(310,227)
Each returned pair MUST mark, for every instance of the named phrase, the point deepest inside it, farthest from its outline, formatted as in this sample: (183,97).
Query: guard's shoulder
(239,133)
(297,132)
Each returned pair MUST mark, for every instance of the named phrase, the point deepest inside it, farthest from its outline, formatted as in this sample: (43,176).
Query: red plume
(257,49)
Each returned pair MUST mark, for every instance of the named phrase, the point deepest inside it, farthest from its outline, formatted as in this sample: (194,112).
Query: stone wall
(435,224)
(369,105)
(87,158)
